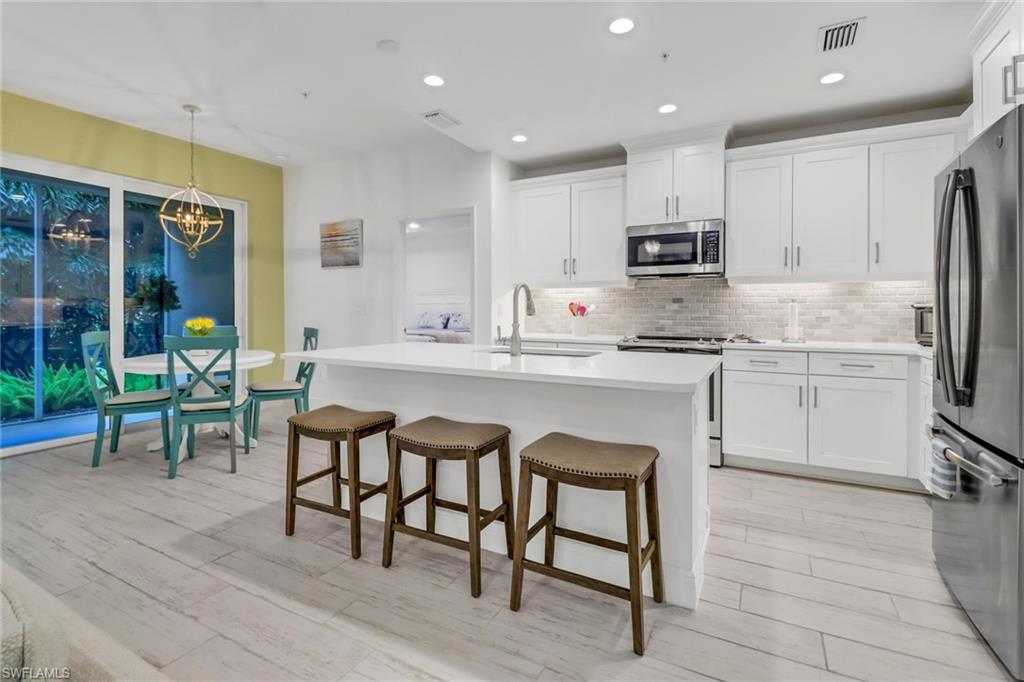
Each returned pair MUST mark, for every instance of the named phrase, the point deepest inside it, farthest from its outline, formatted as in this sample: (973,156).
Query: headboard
(441,303)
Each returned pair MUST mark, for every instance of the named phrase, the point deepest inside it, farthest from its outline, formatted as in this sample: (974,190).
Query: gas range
(677,344)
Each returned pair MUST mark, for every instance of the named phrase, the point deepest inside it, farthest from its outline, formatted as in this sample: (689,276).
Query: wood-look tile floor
(805,581)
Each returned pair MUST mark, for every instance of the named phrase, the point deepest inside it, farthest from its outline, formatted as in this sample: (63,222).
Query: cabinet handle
(574,266)
(815,396)
(1007,73)
(798,256)
(677,205)
(666,207)
(763,362)
(856,365)
(878,252)
(785,256)
(800,397)
(565,267)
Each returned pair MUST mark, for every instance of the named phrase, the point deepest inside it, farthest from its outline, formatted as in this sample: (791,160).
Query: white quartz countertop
(671,372)
(607,339)
(830,346)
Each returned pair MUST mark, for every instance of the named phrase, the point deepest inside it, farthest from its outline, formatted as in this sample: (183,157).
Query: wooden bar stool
(436,438)
(334,424)
(561,458)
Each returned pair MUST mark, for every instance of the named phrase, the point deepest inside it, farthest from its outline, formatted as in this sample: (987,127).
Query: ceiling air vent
(838,36)
(440,119)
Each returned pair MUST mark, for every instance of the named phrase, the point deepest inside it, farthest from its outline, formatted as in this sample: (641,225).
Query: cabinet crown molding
(851,138)
(722,131)
(988,16)
(569,178)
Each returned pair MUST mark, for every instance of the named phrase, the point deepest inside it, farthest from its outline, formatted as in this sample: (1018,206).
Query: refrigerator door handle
(943,244)
(965,387)
(991,478)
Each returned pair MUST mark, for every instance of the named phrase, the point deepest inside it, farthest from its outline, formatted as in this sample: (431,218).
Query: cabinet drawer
(859,365)
(784,362)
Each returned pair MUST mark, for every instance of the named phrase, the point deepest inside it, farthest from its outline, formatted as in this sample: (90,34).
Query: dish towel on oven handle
(942,479)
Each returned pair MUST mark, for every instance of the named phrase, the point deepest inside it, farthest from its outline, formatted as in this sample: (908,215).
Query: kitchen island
(653,399)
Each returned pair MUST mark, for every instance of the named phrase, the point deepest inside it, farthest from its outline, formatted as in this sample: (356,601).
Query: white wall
(356,306)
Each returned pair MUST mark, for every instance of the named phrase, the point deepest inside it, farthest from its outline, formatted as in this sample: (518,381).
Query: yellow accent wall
(46,131)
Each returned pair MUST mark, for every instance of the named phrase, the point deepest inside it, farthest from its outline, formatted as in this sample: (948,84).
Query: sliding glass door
(163,287)
(54,285)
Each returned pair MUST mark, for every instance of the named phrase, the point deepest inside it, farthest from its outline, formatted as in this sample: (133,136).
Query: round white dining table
(156,364)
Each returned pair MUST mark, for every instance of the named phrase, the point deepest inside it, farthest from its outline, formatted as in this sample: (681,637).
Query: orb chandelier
(190,216)
(80,234)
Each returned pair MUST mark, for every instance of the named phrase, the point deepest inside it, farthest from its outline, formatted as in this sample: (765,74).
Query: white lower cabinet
(764,415)
(858,424)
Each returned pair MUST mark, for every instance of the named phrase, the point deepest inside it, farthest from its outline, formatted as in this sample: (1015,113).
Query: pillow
(433,321)
(458,322)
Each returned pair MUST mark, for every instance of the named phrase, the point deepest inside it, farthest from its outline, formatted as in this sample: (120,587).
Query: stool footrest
(321,506)
(576,578)
(314,476)
(434,537)
(412,497)
(453,506)
(486,518)
(371,490)
(364,485)
(542,522)
(645,555)
(591,539)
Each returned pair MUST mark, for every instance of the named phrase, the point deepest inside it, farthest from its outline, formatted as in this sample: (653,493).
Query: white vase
(580,326)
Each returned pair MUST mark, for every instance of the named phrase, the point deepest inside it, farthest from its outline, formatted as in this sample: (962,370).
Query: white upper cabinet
(675,183)
(902,204)
(759,218)
(830,212)
(542,235)
(698,182)
(570,230)
(993,68)
(598,231)
(649,187)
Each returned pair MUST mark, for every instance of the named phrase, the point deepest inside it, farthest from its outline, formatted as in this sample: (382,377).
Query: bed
(440,318)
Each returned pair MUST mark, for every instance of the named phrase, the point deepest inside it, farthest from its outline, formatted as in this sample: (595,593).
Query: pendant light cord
(192,148)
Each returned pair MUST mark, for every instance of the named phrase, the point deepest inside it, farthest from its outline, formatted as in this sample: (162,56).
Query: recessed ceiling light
(433,80)
(834,77)
(621,25)
(519,138)
(667,108)
(413,225)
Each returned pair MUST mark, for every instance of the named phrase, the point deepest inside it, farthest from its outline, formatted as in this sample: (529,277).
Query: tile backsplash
(859,311)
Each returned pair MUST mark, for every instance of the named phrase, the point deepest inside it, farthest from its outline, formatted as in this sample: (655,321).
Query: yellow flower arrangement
(199,326)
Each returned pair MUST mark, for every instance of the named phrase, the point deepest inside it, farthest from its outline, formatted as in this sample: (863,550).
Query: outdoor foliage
(64,388)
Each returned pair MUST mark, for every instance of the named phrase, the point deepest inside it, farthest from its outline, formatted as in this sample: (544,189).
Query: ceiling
(549,70)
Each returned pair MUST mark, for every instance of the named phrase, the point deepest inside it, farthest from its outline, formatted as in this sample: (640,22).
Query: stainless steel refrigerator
(979,375)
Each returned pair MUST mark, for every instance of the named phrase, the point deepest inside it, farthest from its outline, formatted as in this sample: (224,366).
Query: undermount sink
(561,352)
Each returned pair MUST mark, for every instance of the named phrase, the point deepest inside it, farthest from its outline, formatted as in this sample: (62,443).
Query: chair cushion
(275,386)
(601,459)
(240,400)
(137,397)
(338,419)
(445,434)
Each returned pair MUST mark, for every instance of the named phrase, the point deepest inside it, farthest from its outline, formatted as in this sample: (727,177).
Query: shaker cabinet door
(759,218)
(542,235)
(649,188)
(698,182)
(859,424)
(830,212)
(764,415)
(598,231)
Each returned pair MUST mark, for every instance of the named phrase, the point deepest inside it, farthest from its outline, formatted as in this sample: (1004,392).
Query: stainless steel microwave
(695,248)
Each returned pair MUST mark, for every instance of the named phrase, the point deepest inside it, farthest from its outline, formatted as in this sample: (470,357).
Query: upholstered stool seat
(334,424)
(330,420)
(437,438)
(575,455)
(562,458)
(444,434)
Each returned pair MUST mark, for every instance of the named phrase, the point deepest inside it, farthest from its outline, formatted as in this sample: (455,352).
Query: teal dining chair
(214,402)
(110,402)
(297,391)
(218,330)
